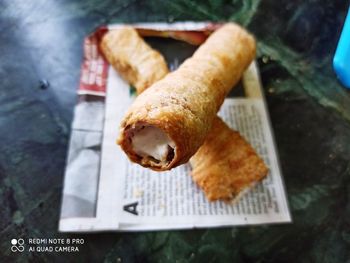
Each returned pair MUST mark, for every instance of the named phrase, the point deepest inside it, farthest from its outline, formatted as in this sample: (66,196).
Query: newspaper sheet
(123,196)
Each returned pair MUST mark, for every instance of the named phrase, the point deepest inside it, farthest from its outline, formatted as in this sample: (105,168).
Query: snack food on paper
(175,114)
(226,165)
(163,202)
(133,58)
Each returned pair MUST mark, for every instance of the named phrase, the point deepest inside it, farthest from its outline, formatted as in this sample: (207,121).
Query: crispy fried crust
(133,58)
(226,164)
(185,102)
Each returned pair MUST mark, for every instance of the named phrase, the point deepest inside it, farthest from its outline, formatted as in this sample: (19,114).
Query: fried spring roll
(226,165)
(133,58)
(169,121)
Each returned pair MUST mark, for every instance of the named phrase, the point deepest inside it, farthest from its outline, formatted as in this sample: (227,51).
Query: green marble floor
(310,113)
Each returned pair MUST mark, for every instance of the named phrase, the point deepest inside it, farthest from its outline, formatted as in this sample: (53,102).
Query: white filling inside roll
(151,141)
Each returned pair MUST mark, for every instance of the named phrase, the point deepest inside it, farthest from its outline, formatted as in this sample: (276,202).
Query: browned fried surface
(226,164)
(185,102)
(133,58)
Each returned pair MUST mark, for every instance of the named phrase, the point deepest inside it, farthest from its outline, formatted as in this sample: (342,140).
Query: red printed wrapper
(94,68)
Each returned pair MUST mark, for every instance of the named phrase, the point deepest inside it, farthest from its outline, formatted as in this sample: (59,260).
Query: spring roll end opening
(149,146)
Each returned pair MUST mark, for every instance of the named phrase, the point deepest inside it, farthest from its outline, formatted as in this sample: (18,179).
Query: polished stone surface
(41,51)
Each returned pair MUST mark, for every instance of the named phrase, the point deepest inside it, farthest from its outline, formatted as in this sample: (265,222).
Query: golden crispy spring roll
(169,121)
(133,58)
(226,164)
